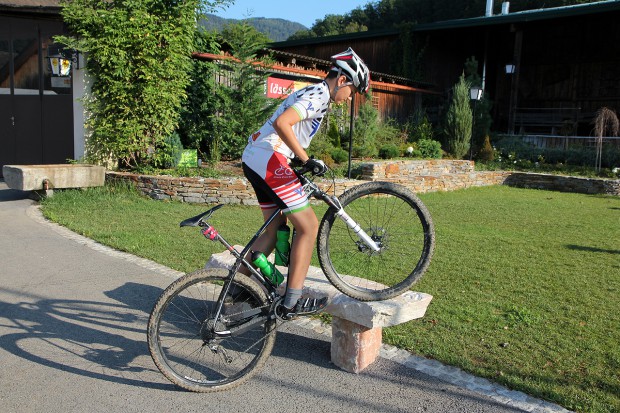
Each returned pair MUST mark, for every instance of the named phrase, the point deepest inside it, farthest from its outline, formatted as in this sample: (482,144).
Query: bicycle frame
(212,234)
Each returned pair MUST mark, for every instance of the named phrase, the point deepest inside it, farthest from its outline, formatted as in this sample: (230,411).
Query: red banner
(279,88)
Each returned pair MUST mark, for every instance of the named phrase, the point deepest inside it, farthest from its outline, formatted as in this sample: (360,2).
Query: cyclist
(284,136)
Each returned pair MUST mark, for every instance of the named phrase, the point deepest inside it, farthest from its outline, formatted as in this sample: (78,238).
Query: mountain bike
(213,329)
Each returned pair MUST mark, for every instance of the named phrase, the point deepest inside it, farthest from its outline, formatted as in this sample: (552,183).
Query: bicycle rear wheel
(181,338)
(396,219)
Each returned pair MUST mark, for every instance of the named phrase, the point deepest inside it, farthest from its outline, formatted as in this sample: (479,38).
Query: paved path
(73,315)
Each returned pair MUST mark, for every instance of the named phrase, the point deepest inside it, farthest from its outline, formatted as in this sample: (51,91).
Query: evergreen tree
(482,108)
(196,126)
(240,105)
(459,120)
(365,131)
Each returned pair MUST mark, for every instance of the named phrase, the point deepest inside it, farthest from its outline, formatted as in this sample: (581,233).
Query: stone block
(354,347)
(47,177)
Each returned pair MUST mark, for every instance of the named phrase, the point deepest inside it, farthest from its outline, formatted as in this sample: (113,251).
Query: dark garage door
(36,107)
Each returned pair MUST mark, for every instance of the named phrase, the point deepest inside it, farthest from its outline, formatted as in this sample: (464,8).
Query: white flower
(615,170)
(410,150)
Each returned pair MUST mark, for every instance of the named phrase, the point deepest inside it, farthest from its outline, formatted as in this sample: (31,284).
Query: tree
(605,122)
(196,125)
(459,120)
(239,105)
(365,131)
(138,57)
(226,101)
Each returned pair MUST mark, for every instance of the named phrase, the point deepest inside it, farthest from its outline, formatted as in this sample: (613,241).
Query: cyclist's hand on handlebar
(316,166)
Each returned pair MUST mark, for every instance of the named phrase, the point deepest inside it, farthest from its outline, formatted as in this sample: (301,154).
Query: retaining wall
(419,176)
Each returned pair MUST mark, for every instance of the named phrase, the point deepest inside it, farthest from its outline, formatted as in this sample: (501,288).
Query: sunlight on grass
(525,282)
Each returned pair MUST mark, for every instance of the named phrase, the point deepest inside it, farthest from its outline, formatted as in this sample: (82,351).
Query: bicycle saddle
(195,221)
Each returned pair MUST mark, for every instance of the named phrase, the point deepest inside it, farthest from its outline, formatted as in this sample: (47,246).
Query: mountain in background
(276,29)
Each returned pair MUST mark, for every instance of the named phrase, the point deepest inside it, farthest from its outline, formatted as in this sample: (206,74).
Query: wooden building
(566,62)
(395,97)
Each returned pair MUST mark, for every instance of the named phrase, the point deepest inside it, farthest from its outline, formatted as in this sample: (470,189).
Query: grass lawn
(526,283)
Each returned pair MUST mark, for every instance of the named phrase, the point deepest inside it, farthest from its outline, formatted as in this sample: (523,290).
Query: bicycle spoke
(183,339)
(395,220)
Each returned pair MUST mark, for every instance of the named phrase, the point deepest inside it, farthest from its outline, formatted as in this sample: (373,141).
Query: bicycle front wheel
(396,219)
(199,353)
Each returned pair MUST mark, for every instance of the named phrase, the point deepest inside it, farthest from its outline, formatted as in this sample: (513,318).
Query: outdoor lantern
(59,63)
(475,93)
(510,68)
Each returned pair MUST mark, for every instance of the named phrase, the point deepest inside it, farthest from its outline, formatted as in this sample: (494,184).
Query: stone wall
(564,183)
(432,175)
(419,176)
(205,190)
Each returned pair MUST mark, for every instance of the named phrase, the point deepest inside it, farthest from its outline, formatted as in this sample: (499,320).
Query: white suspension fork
(357,229)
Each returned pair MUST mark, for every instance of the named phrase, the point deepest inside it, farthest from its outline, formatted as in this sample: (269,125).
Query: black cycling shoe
(304,306)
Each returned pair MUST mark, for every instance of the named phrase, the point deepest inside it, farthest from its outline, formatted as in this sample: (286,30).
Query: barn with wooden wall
(566,59)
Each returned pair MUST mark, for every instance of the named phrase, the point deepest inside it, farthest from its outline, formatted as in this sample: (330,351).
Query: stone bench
(356,325)
(45,178)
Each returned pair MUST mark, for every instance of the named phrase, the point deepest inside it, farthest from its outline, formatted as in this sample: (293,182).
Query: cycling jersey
(311,104)
(265,162)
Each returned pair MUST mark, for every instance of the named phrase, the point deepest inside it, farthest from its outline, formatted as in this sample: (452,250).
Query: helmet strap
(333,93)
(337,88)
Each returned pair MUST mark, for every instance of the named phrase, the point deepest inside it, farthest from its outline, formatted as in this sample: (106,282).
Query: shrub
(327,158)
(389,151)
(339,155)
(389,132)
(365,131)
(139,63)
(423,129)
(168,153)
(486,152)
(410,150)
(514,150)
(332,131)
(429,148)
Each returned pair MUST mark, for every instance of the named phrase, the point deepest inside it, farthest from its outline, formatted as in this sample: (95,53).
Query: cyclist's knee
(305,222)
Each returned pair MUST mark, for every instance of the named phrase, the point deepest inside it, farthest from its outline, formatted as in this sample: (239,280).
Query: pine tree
(459,120)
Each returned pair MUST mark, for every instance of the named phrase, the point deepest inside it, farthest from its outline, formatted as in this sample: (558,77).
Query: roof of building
(525,16)
(31,6)
(378,80)
(498,19)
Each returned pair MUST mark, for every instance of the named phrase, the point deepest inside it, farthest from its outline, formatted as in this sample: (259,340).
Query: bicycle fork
(355,227)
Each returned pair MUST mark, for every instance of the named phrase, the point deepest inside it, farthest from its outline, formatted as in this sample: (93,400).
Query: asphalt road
(72,339)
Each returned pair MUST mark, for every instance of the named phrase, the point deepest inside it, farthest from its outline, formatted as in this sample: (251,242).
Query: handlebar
(300,169)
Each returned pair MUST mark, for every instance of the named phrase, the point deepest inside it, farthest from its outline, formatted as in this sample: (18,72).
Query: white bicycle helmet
(354,68)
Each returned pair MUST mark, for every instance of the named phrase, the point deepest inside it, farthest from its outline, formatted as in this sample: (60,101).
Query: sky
(305,13)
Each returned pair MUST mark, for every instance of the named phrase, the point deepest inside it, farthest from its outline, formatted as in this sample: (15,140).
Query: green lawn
(526,283)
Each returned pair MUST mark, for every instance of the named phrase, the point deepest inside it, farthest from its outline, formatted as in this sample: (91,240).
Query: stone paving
(432,368)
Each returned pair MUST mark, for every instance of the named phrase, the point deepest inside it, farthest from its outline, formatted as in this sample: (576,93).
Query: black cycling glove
(316,166)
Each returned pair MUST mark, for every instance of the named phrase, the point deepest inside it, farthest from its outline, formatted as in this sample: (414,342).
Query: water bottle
(266,268)
(283,248)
